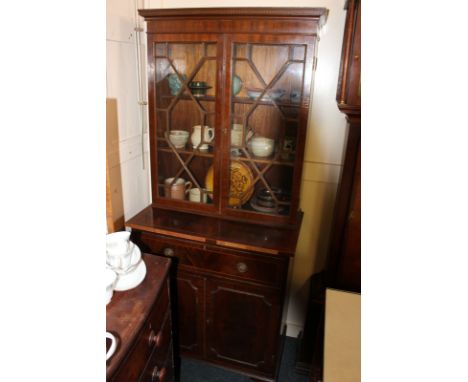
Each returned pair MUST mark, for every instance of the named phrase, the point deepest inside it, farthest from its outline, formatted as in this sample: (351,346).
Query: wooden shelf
(247,100)
(266,161)
(189,151)
(186,97)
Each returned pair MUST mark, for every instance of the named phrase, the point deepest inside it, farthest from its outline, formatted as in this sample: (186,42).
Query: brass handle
(158,375)
(154,339)
(168,252)
(242,267)
(157,339)
(151,338)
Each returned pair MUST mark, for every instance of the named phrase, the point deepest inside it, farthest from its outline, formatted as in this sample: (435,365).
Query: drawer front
(251,267)
(155,372)
(158,367)
(145,343)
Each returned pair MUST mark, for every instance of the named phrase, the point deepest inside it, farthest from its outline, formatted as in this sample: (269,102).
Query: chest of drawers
(141,320)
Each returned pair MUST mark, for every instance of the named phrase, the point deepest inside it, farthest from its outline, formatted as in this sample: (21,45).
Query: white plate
(132,279)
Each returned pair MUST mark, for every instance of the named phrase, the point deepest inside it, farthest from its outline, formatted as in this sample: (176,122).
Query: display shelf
(186,97)
(247,100)
(272,160)
(188,151)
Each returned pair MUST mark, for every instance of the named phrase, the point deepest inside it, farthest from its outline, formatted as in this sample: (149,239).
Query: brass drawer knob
(151,338)
(241,267)
(158,375)
(168,252)
(154,339)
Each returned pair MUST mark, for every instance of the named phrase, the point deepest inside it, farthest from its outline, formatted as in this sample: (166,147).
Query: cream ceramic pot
(196,137)
(196,195)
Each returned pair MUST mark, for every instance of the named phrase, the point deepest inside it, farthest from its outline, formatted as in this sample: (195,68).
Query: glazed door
(184,93)
(243,323)
(269,81)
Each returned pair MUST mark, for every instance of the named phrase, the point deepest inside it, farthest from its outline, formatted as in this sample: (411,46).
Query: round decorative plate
(241,183)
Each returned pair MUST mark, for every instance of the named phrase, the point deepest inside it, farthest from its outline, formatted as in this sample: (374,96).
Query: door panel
(243,323)
(190,296)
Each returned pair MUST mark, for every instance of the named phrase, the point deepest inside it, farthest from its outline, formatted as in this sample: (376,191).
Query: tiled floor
(193,371)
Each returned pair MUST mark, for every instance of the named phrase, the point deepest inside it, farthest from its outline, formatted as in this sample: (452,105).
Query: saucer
(131,280)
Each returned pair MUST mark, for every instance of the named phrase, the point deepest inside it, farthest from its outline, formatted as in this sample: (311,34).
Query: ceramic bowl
(179,138)
(111,278)
(174,83)
(236,84)
(275,94)
(254,93)
(264,197)
(262,147)
(199,88)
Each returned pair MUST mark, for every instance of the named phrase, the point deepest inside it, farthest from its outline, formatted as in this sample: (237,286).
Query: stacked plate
(263,200)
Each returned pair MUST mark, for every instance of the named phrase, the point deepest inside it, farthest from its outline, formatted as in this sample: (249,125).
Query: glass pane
(264,125)
(185,87)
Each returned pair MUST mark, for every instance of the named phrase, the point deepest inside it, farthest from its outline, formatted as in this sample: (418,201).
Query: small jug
(176,188)
(196,136)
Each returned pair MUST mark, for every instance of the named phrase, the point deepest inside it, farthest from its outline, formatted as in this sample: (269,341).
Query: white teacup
(118,243)
(122,263)
(113,346)
(196,195)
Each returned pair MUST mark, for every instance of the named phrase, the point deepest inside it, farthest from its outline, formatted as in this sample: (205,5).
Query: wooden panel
(257,268)
(349,267)
(243,323)
(270,240)
(156,368)
(114,196)
(342,347)
(349,82)
(190,319)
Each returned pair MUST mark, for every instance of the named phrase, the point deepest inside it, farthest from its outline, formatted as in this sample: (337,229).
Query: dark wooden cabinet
(343,266)
(229,94)
(344,262)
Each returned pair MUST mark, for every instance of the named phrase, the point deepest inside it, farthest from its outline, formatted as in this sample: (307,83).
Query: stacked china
(124,258)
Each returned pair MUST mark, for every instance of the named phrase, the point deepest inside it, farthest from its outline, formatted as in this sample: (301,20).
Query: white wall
(325,137)
(122,85)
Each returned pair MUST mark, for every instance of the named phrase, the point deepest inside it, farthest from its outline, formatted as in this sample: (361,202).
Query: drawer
(160,373)
(252,267)
(159,366)
(145,343)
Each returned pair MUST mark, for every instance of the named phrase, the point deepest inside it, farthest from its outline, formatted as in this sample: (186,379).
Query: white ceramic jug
(196,136)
